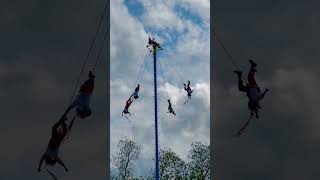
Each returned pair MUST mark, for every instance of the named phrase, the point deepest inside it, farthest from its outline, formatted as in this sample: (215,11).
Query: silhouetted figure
(51,155)
(153,42)
(82,102)
(135,93)
(188,89)
(170,110)
(126,108)
(253,91)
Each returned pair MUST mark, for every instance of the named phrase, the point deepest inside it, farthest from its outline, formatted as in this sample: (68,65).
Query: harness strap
(127,118)
(239,133)
(49,172)
(186,101)
(70,126)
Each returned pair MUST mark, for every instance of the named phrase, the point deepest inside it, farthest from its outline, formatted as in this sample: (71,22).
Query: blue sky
(182,29)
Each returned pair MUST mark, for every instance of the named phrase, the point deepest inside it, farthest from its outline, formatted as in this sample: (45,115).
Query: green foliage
(171,165)
(199,167)
(129,151)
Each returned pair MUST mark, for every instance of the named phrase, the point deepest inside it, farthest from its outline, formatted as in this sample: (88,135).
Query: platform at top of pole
(155,45)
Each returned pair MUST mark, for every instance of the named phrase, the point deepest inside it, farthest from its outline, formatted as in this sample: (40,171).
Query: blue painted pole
(155,108)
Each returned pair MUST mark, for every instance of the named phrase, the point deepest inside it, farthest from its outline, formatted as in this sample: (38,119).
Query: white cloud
(127,39)
(200,7)
(188,61)
(161,16)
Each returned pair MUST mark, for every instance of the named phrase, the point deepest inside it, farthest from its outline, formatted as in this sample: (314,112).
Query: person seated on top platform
(135,93)
(126,108)
(59,132)
(252,89)
(152,41)
(82,102)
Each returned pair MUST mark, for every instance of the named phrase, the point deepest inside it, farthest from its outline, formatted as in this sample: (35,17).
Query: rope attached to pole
(179,75)
(225,49)
(89,51)
(144,67)
(141,71)
(164,79)
(101,48)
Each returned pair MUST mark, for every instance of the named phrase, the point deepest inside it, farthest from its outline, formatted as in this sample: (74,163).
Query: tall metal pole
(155,107)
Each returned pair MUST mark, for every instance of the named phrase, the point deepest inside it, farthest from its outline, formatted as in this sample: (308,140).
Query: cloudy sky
(43,44)
(42,47)
(182,28)
(282,36)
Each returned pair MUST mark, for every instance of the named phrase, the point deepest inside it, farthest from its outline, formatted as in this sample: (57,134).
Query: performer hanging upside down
(170,110)
(253,92)
(252,89)
(59,132)
(136,91)
(126,108)
(82,102)
(188,89)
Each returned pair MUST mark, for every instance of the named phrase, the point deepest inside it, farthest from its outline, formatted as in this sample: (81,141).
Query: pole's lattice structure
(155,47)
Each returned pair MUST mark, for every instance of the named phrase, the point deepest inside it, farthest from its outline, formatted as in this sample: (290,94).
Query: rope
(143,66)
(179,75)
(127,118)
(225,49)
(94,67)
(164,79)
(239,133)
(89,52)
(102,47)
(53,176)
(140,70)
(70,127)
(186,101)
